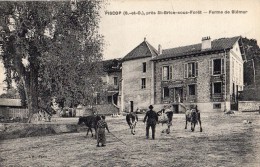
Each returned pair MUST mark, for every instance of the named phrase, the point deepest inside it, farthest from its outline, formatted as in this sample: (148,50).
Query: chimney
(206,43)
(159,49)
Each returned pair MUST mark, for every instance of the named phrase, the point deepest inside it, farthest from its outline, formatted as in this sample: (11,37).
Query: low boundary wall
(248,106)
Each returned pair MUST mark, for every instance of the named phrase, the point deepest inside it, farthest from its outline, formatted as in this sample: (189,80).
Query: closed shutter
(222,66)
(210,67)
(211,90)
(162,73)
(171,73)
(185,70)
(196,69)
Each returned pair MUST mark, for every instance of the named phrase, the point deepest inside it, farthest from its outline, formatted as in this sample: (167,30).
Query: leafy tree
(251,71)
(11,93)
(51,49)
(252,52)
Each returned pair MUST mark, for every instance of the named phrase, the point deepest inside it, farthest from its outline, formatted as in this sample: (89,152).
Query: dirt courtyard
(225,141)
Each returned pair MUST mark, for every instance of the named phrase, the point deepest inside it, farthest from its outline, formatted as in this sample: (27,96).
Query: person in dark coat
(151,119)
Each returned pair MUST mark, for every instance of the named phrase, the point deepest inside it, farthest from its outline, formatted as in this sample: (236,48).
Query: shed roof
(10,102)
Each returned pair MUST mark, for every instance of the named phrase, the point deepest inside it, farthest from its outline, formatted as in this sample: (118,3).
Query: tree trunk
(31,91)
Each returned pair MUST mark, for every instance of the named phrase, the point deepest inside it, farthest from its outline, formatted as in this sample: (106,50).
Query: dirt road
(225,141)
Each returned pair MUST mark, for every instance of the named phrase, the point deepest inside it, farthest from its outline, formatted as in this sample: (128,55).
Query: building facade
(108,99)
(137,81)
(209,75)
(111,77)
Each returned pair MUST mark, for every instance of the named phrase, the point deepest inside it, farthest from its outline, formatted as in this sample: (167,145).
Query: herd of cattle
(192,116)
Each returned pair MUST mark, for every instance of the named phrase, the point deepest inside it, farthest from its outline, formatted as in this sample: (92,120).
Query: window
(191,89)
(98,98)
(109,99)
(217,106)
(166,73)
(144,67)
(166,92)
(190,69)
(115,80)
(217,88)
(216,66)
(143,86)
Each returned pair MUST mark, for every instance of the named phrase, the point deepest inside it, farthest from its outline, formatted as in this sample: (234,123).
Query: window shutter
(195,87)
(196,69)
(210,67)
(171,72)
(162,73)
(185,70)
(222,66)
(211,89)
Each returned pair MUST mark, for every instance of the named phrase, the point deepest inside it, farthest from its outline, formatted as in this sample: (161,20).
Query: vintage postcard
(130,83)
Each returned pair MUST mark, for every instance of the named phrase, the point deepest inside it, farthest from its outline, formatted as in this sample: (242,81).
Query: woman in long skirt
(101,127)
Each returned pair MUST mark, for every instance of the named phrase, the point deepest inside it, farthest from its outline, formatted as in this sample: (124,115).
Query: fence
(14,112)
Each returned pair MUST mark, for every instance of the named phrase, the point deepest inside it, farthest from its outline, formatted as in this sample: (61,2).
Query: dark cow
(193,116)
(90,122)
(132,119)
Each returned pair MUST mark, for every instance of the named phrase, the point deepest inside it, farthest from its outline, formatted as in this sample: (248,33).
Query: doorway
(178,95)
(131,106)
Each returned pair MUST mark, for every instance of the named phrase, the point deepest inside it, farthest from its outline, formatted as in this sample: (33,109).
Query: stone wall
(248,105)
(8,112)
(132,73)
(107,109)
(202,81)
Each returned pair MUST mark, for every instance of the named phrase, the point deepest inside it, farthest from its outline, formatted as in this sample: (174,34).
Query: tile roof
(216,45)
(141,51)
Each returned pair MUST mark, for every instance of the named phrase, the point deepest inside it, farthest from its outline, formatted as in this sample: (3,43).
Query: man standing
(152,118)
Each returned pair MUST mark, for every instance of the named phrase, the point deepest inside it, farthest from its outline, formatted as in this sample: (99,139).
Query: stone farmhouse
(107,100)
(208,74)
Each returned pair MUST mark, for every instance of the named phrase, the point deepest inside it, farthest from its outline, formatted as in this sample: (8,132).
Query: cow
(132,119)
(91,122)
(193,116)
(162,117)
(165,117)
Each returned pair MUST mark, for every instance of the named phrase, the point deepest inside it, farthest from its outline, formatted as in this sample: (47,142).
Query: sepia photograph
(130,83)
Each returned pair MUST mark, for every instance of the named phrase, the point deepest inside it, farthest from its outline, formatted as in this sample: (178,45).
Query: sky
(124,32)
(213,18)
